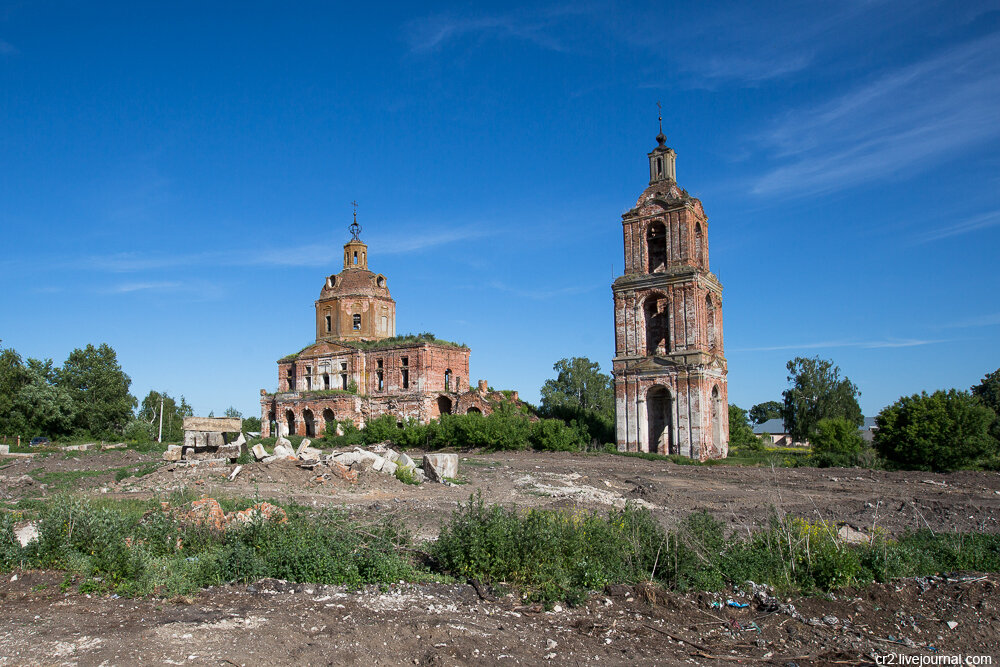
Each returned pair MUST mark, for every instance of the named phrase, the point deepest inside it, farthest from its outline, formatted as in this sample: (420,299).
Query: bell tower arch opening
(656,309)
(660,421)
(656,248)
(716,418)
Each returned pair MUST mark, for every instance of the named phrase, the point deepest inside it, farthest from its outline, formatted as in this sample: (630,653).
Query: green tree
(251,424)
(581,392)
(761,412)
(47,408)
(817,392)
(942,431)
(13,377)
(740,431)
(233,413)
(99,389)
(173,415)
(988,391)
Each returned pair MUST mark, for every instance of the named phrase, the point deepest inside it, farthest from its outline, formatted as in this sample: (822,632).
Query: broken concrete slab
(388,467)
(173,453)
(439,466)
(235,472)
(216,424)
(284,442)
(418,474)
(405,461)
(304,445)
(308,453)
(283,451)
(26,534)
(259,452)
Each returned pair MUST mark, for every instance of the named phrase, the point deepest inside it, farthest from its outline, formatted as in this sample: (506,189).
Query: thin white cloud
(434,32)
(990,320)
(975,223)
(126,288)
(872,344)
(405,241)
(542,294)
(905,122)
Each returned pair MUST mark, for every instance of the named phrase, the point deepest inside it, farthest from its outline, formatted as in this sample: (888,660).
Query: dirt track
(278,623)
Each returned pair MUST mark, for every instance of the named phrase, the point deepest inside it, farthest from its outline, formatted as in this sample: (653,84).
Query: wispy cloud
(126,288)
(975,223)
(990,320)
(542,294)
(904,122)
(434,32)
(405,241)
(870,344)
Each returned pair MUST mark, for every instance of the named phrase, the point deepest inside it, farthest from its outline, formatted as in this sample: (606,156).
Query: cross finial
(660,139)
(355,227)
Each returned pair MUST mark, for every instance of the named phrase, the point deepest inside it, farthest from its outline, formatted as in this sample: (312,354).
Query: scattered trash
(738,605)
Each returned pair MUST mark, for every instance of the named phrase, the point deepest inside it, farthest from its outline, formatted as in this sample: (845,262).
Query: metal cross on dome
(355,227)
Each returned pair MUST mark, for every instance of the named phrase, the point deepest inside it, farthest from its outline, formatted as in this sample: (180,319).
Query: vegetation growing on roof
(404,339)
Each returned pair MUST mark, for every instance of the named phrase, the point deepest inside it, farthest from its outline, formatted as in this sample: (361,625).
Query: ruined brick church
(359,369)
(669,365)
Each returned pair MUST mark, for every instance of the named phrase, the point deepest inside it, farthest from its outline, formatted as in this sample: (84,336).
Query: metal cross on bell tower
(355,228)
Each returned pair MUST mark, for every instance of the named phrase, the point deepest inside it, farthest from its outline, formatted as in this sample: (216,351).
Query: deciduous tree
(942,431)
(581,392)
(817,392)
(761,412)
(99,389)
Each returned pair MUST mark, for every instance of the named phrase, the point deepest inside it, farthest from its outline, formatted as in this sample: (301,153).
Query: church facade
(359,369)
(669,367)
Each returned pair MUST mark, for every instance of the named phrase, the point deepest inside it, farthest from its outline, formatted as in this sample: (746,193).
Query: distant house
(781,438)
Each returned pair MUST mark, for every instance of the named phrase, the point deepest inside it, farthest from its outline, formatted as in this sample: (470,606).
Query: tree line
(87,397)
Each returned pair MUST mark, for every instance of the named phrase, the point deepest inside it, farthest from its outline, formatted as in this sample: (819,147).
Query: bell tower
(669,365)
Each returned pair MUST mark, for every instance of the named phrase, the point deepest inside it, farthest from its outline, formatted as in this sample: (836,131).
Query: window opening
(355,256)
(657,311)
(405,373)
(447,380)
(378,374)
(357,322)
(329,324)
(326,380)
(656,248)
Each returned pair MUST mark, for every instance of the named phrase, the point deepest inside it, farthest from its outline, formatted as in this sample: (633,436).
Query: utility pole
(159,438)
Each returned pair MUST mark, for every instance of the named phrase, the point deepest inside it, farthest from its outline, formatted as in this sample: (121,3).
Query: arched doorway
(290,422)
(329,422)
(444,405)
(660,421)
(310,422)
(716,419)
(272,423)
(656,308)
(473,411)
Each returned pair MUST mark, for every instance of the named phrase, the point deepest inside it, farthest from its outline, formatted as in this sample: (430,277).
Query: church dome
(355,282)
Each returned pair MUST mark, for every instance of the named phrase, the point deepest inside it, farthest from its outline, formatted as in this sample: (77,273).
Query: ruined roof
(355,282)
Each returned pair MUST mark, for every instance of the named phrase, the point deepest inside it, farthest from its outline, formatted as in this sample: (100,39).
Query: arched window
(443,405)
(330,422)
(326,380)
(357,322)
(699,246)
(310,422)
(657,312)
(710,321)
(290,422)
(716,419)
(447,380)
(656,248)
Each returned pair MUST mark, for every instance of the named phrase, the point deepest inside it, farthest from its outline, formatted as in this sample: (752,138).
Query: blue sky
(176,180)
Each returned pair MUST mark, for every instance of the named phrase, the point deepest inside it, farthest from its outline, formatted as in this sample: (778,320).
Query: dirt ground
(279,623)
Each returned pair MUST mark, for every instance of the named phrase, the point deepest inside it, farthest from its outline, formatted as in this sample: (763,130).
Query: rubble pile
(220,452)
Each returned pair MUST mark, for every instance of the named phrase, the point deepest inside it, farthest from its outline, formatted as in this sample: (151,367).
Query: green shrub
(941,431)
(405,475)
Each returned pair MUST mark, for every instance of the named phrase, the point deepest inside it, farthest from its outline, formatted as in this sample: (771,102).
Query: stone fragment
(439,466)
(405,461)
(348,458)
(339,430)
(951,624)
(418,474)
(270,459)
(848,534)
(388,467)
(235,472)
(173,453)
(4,449)
(390,454)
(27,533)
(283,442)
(283,451)
(231,451)
(259,452)
(362,465)
(308,453)
(378,463)
(305,444)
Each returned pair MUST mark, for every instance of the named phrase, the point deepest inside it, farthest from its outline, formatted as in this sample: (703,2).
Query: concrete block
(173,453)
(4,449)
(259,452)
(439,466)
(305,444)
(390,454)
(283,451)
(308,453)
(217,424)
(388,467)
(405,461)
